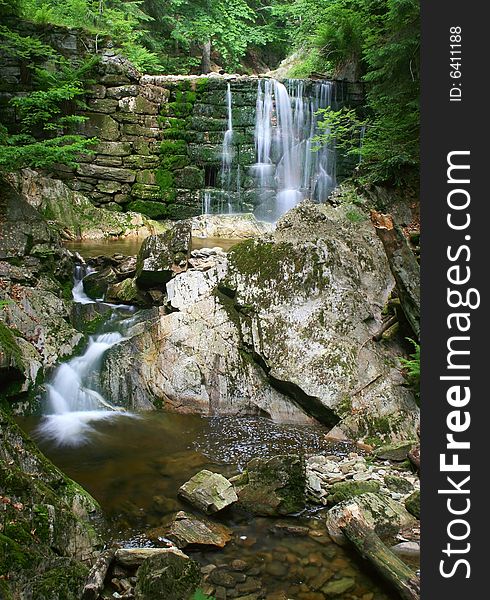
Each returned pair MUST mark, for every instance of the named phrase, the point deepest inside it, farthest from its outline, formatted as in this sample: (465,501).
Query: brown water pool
(130,246)
(134,467)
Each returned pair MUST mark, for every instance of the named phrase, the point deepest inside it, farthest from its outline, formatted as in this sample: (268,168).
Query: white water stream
(73,397)
(290,165)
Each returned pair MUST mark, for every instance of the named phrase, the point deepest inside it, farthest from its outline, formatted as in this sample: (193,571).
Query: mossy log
(96,577)
(386,563)
(403,265)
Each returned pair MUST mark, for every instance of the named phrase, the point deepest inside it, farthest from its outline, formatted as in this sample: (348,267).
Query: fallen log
(384,561)
(403,265)
(97,574)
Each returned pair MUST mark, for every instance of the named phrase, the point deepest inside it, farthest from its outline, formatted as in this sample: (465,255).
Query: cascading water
(289,167)
(290,164)
(228,154)
(72,394)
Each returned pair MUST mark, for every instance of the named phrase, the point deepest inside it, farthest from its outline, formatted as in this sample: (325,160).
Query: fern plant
(411,368)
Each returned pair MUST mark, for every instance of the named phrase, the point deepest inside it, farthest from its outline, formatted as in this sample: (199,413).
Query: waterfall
(228,153)
(78,292)
(72,395)
(288,167)
(206,202)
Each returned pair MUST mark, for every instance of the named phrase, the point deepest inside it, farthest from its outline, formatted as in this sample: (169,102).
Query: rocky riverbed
(265,352)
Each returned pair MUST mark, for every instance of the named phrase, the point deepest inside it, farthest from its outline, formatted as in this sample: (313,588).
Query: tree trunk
(206,58)
(403,265)
(386,563)
(96,577)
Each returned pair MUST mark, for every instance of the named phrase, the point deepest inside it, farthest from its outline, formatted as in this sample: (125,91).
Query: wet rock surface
(189,530)
(272,487)
(209,492)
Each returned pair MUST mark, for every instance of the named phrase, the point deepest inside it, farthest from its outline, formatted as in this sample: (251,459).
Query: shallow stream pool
(134,467)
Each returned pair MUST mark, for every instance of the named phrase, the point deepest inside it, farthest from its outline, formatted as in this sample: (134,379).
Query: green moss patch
(153,210)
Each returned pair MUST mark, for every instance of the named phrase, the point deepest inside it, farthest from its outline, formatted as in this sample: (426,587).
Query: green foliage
(123,21)
(164,179)
(343,127)
(47,123)
(380,40)
(411,368)
(200,595)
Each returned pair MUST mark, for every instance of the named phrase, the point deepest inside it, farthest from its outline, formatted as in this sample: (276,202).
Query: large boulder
(163,255)
(208,491)
(274,486)
(191,360)
(46,537)
(283,326)
(167,576)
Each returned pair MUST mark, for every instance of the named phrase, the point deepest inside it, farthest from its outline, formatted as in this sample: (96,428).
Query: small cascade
(228,154)
(289,166)
(78,292)
(206,202)
(73,396)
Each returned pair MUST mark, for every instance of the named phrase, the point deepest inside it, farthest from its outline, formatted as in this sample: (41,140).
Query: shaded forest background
(374,41)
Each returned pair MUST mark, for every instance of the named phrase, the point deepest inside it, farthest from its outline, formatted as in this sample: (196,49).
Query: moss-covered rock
(127,292)
(75,215)
(161,256)
(398,484)
(273,486)
(46,533)
(189,178)
(385,516)
(166,576)
(95,284)
(149,208)
(345,490)
(412,504)
(208,491)
(396,452)
(146,192)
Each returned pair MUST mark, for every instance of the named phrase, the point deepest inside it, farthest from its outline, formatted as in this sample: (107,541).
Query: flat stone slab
(189,530)
(134,557)
(208,491)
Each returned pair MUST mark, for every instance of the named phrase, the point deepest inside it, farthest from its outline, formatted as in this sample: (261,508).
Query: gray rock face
(283,325)
(273,487)
(161,256)
(34,321)
(165,576)
(208,491)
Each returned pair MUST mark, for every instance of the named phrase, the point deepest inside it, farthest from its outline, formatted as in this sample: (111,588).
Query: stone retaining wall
(160,137)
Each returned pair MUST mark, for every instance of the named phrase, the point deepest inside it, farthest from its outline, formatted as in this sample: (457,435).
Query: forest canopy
(373,41)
